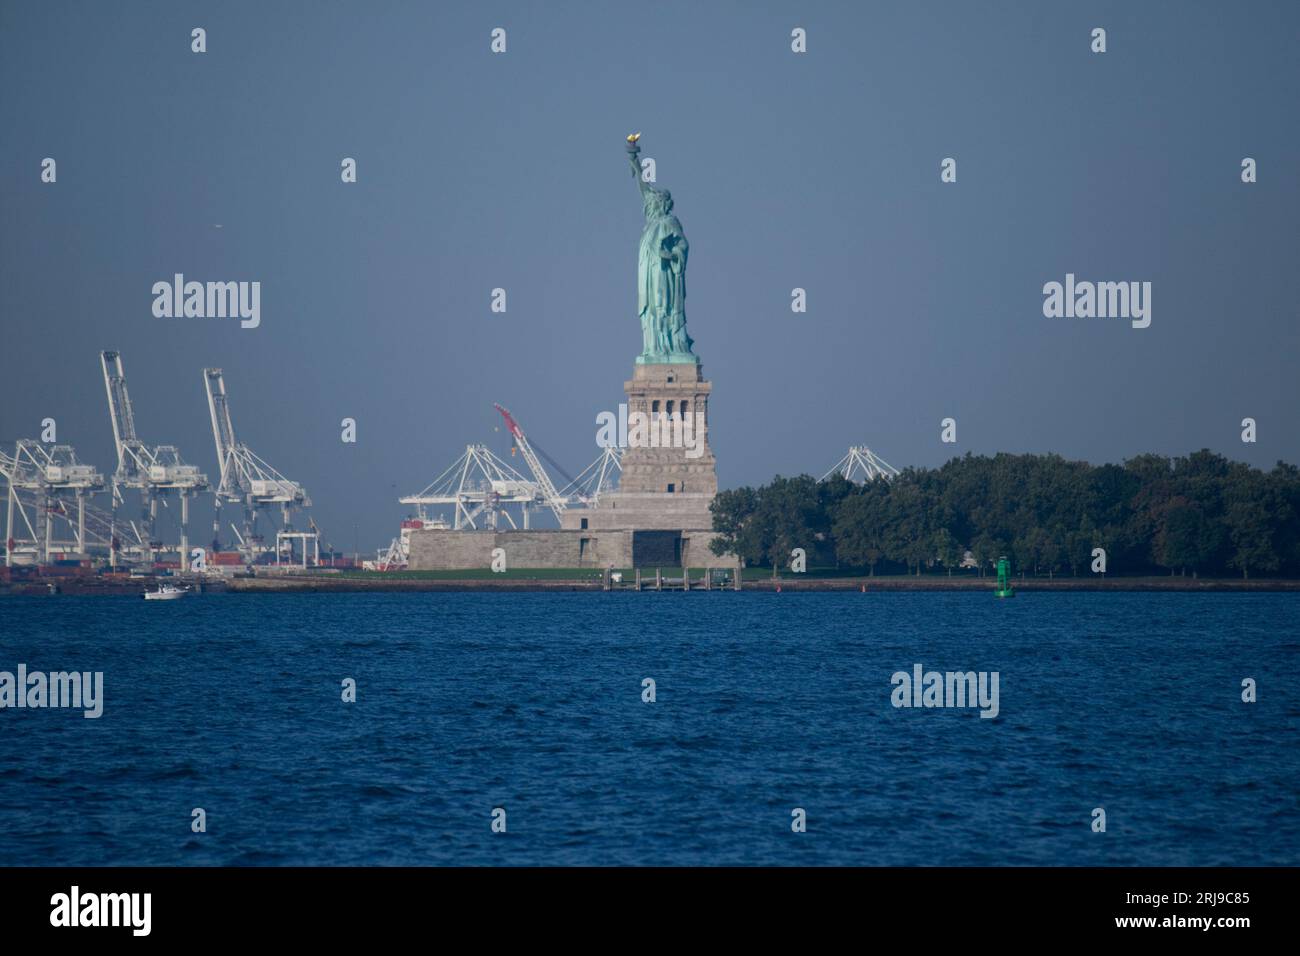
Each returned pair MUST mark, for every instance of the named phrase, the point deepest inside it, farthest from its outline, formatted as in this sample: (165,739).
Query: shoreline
(385,584)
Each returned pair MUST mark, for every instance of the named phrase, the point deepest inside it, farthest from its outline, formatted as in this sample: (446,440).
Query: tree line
(1200,515)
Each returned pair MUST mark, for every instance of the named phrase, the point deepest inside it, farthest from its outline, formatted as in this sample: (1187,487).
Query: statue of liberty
(660,274)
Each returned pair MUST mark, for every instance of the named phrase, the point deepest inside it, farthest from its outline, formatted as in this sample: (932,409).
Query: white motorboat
(165,592)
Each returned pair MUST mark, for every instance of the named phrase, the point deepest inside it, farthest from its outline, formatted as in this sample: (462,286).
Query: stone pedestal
(665,489)
(663,392)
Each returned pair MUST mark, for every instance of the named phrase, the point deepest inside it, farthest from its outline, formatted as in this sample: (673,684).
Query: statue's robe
(661,286)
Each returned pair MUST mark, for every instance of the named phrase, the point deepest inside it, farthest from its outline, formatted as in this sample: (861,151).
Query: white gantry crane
(860,465)
(26,508)
(154,472)
(477,484)
(596,479)
(546,488)
(22,499)
(245,478)
(48,476)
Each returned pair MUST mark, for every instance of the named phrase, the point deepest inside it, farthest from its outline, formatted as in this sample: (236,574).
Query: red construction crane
(552,497)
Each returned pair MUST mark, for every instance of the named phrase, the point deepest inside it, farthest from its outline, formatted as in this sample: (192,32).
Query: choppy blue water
(765,703)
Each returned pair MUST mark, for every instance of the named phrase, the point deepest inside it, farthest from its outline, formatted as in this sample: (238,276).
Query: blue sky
(818,171)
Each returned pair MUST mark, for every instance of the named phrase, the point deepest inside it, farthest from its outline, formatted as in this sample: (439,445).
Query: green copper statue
(660,274)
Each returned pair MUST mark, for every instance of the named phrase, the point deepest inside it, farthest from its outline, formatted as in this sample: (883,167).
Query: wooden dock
(712,579)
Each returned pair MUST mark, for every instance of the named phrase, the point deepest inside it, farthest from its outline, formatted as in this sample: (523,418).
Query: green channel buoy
(1005,590)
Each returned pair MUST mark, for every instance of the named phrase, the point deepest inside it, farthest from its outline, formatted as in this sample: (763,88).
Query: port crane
(860,465)
(154,472)
(28,506)
(244,477)
(478,484)
(20,500)
(545,487)
(48,475)
(596,479)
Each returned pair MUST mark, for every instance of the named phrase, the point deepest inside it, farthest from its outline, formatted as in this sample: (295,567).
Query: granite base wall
(444,550)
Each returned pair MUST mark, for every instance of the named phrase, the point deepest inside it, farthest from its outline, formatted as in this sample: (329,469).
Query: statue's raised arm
(634,158)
